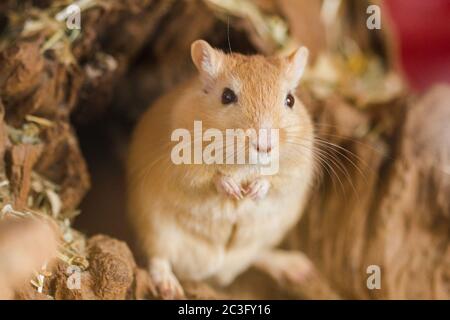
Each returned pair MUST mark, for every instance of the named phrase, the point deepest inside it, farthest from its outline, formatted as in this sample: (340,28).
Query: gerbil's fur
(182,220)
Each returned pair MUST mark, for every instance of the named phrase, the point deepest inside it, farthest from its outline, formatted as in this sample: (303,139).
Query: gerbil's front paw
(166,284)
(226,185)
(258,189)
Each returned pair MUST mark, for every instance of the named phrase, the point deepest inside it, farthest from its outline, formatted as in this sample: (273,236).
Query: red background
(423,30)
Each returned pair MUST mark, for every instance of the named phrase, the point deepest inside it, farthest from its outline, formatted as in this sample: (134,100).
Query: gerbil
(211,221)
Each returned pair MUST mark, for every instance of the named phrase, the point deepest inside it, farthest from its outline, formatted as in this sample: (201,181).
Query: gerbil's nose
(264,141)
(263,148)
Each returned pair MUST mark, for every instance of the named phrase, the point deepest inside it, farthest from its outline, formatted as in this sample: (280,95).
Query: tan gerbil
(212,221)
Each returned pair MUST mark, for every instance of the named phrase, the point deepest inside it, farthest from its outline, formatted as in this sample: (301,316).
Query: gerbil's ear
(296,65)
(207,59)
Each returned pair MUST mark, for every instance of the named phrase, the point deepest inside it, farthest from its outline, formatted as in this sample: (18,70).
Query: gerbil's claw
(166,284)
(228,186)
(258,189)
(170,289)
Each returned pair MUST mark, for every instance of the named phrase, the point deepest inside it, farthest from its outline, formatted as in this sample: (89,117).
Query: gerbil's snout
(265,141)
(263,148)
(262,145)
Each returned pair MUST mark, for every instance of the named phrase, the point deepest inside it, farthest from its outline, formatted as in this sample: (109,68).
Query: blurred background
(70,97)
(423,33)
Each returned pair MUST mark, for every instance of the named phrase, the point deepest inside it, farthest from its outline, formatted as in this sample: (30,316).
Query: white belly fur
(203,240)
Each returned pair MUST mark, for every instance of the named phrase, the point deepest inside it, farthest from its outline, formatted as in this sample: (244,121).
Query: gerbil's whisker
(343,152)
(340,136)
(340,150)
(228,33)
(324,158)
(351,139)
(336,161)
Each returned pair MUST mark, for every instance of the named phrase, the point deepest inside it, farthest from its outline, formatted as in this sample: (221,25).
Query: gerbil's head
(253,92)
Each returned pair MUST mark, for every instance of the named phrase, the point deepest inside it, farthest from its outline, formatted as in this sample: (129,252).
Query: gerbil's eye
(228,96)
(290,101)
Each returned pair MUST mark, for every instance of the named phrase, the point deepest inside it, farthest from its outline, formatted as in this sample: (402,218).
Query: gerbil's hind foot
(294,272)
(226,185)
(285,266)
(166,284)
